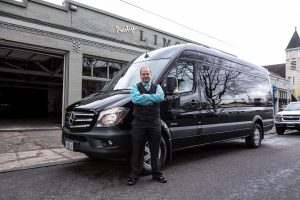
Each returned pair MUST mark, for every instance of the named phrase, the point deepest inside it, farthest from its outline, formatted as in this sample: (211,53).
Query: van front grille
(79,119)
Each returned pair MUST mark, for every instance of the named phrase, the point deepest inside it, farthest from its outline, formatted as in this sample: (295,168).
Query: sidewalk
(24,149)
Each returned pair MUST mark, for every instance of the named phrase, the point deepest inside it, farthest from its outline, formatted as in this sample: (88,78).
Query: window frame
(108,63)
(177,63)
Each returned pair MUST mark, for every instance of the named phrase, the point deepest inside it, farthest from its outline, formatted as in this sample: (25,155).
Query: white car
(289,118)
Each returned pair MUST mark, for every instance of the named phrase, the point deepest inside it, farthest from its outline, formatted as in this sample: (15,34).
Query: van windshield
(131,75)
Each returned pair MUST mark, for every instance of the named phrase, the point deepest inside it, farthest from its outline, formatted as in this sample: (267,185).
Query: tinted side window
(252,91)
(184,72)
(217,85)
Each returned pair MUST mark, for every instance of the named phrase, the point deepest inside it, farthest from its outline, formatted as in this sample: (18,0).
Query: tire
(280,131)
(254,140)
(162,156)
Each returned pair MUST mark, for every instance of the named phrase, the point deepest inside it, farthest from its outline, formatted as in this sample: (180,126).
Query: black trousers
(143,131)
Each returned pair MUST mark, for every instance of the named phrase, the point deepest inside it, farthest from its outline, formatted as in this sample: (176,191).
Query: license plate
(290,125)
(69,145)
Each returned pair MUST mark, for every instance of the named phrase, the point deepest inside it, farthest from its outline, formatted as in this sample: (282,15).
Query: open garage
(31,85)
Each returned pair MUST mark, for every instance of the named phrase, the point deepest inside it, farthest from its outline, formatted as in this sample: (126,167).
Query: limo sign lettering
(154,40)
(126,29)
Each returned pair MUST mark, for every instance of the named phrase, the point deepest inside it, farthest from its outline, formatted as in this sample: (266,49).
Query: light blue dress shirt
(146,99)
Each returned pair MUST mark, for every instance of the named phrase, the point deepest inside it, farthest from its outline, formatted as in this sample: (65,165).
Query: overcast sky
(255,30)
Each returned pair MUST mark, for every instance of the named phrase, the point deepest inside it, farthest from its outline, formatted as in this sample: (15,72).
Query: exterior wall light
(73,7)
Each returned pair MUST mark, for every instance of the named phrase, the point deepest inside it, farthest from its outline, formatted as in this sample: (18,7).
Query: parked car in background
(289,118)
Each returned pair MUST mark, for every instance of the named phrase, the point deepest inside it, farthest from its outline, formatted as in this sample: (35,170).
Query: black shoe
(160,179)
(131,181)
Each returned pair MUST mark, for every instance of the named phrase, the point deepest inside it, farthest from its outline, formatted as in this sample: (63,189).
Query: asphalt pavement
(25,147)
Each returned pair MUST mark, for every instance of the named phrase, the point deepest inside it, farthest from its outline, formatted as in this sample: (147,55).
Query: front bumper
(287,125)
(108,143)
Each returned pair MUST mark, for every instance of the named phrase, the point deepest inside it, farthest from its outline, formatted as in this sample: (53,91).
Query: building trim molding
(77,41)
(72,30)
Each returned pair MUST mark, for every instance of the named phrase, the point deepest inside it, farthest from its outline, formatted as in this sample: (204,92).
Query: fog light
(107,143)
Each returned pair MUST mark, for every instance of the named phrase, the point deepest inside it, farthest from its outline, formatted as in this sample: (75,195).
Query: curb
(22,129)
(43,165)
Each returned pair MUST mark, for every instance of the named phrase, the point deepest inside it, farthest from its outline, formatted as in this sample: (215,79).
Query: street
(220,171)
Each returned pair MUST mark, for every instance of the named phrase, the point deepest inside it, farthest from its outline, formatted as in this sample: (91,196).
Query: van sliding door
(217,101)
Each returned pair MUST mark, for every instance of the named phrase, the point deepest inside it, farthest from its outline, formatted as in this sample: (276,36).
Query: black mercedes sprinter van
(210,97)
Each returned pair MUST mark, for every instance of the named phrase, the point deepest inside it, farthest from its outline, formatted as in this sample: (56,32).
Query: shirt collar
(147,84)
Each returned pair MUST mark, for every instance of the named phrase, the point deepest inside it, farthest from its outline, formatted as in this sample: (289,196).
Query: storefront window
(87,66)
(96,73)
(90,87)
(114,68)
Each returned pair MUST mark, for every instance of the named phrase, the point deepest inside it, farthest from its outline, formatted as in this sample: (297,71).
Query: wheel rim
(256,136)
(147,155)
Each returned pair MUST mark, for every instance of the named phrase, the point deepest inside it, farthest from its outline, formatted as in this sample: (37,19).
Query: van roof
(172,51)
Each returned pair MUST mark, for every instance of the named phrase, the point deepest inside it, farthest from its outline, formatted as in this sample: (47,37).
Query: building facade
(293,64)
(51,56)
(282,93)
(281,86)
(286,77)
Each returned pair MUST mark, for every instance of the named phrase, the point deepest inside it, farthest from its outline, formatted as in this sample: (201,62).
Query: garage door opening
(31,87)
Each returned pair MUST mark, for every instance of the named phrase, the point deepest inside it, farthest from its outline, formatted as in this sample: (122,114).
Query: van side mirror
(171,85)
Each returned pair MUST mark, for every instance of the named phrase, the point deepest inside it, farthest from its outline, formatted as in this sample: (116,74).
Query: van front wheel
(254,140)
(162,156)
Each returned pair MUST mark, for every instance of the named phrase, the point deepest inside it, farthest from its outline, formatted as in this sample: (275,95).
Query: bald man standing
(146,126)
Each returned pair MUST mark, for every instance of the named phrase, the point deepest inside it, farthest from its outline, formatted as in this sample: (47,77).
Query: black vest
(149,112)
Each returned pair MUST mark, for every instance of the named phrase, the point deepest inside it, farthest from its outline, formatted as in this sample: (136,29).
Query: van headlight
(111,117)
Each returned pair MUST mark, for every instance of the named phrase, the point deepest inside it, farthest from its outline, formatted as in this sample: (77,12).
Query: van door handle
(194,102)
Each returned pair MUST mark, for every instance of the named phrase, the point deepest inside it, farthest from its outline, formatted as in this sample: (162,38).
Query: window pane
(87,66)
(293,64)
(114,68)
(184,72)
(252,91)
(94,71)
(100,69)
(218,85)
(90,87)
(132,75)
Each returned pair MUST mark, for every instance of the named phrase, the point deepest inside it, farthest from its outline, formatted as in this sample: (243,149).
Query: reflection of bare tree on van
(252,90)
(269,98)
(218,84)
(184,72)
